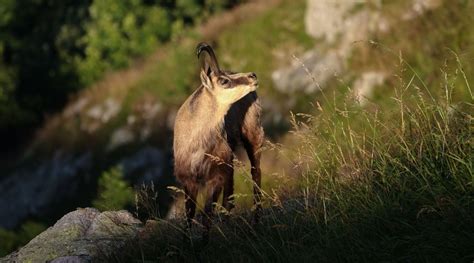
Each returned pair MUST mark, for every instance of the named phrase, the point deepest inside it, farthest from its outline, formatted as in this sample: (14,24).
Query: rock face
(364,85)
(23,193)
(338,25)
(309,73)
(84,235)
(145,165)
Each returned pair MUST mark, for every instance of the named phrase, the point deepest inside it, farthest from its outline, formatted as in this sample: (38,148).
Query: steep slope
(126,118)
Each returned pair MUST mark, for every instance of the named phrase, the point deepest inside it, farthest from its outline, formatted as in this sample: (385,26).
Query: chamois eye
(224,81)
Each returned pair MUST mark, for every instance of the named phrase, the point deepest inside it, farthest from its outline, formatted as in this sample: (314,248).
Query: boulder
(84,235)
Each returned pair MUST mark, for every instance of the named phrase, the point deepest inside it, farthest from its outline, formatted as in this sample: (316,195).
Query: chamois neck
(208,109)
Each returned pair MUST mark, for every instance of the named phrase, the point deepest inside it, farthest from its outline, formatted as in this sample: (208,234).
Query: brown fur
(208,127)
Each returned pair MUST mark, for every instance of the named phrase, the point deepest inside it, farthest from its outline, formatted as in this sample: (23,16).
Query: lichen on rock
(84,235)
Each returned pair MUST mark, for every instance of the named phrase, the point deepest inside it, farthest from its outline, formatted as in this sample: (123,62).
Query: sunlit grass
(384,191)
(391,180)
(388,180)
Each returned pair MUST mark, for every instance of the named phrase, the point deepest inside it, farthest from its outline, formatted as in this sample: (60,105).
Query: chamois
(221,114)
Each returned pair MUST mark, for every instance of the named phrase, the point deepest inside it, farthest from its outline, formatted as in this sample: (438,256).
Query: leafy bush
(118,31)
(35,75)
(114,192)
(50,49)
(11,240)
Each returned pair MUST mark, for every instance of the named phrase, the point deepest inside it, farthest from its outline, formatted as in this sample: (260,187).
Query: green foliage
(8,243)
(118,31)
(11,240)
(114,192)
(34,72)
(50,49)
(172,78)
(445,30)
(188,8)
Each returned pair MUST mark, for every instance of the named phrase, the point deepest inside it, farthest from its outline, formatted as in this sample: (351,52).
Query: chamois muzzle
(253,77)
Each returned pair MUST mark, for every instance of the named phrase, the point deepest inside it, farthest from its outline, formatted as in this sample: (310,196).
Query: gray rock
(325,18)
(24,193)
(145,165)
(120,137)
(339,25)
(365,84)
(72,259)
(38,191)
(309,73)
(84,235)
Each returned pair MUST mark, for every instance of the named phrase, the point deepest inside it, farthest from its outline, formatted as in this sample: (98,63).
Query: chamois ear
(206,79)
(210,60)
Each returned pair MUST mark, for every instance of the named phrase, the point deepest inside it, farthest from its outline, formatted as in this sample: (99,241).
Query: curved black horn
(213,60)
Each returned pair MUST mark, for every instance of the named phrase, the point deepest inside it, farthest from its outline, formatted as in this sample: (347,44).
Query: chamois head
(227,87)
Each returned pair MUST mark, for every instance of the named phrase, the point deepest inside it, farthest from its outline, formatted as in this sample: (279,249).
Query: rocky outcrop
(23,193)
(84,235)
(364,85)
(309,73)
(337,26)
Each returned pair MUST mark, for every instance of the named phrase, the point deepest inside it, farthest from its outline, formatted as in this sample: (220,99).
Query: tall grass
(398,185)
(377,184)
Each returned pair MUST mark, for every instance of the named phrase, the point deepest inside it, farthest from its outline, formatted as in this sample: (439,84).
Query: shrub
(114,192)
(11,240)
(50,49)
(118,31)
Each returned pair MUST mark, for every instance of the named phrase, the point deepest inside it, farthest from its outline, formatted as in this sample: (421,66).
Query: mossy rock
(84,235)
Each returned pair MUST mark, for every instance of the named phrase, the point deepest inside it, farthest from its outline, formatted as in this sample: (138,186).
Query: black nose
(253,76)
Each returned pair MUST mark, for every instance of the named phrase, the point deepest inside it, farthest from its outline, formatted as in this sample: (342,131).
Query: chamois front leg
(212,196)
(190,192)
(228,195)
(213,192)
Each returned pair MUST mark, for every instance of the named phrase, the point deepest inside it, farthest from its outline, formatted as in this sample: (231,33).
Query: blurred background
(89,88)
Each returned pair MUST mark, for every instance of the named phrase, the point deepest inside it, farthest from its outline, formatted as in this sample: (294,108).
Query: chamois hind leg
(190,192)
(253,144)
(252,138)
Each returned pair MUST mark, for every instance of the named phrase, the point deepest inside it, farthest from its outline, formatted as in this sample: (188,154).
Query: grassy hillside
(388,180)
(394,191)
(143,97)
(170,74)
(166,78)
